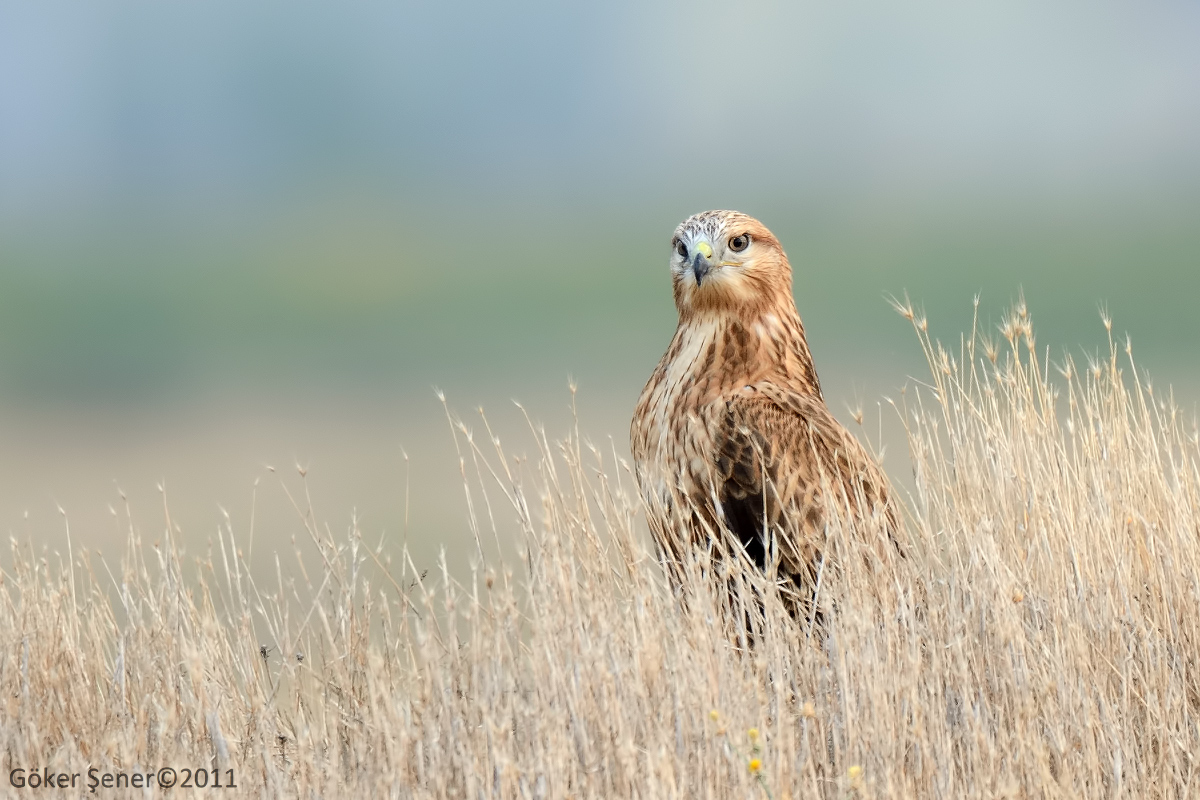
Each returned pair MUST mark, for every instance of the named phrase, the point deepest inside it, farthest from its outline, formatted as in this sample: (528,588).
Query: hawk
(731,433)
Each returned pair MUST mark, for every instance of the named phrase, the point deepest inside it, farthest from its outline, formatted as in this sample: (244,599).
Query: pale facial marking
(710,257)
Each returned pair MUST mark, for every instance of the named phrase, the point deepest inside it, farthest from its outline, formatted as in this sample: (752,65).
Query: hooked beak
(701,265)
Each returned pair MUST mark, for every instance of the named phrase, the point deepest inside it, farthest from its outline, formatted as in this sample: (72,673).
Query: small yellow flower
(713,715)
(752,734)
(855,774)
(1017,595)
(809,710)
(755,765)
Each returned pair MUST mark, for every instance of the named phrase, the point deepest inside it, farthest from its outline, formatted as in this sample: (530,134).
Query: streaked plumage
(731,429)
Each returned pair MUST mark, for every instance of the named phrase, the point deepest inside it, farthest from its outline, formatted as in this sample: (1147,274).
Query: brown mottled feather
(731,430)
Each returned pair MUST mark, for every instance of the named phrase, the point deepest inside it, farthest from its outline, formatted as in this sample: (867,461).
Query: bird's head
(727,261)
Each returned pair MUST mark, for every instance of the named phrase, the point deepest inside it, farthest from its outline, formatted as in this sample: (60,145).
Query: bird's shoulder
(779,408)
(786,427)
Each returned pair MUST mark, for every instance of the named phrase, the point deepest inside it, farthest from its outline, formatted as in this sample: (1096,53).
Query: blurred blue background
(233,236)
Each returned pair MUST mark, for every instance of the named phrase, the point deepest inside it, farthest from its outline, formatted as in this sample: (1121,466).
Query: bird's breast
(674,416)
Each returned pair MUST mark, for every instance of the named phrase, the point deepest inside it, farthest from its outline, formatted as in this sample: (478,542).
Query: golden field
(1040,639)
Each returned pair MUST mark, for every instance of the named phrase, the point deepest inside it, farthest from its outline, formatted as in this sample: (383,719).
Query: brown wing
(777,455)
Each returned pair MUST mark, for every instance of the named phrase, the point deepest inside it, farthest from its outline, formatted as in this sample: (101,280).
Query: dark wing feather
(777,454)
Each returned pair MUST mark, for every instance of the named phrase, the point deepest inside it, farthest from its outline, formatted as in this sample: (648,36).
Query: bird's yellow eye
(739,243)
(681,249)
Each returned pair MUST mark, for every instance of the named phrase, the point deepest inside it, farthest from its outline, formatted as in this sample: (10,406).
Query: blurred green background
(235,236)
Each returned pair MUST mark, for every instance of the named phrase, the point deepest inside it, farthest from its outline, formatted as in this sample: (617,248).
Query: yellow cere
(705,248)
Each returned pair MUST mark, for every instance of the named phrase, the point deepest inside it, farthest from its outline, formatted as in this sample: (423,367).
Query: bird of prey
(731,433)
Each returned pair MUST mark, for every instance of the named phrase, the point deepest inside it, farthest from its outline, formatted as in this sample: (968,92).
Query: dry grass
(1041,638)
